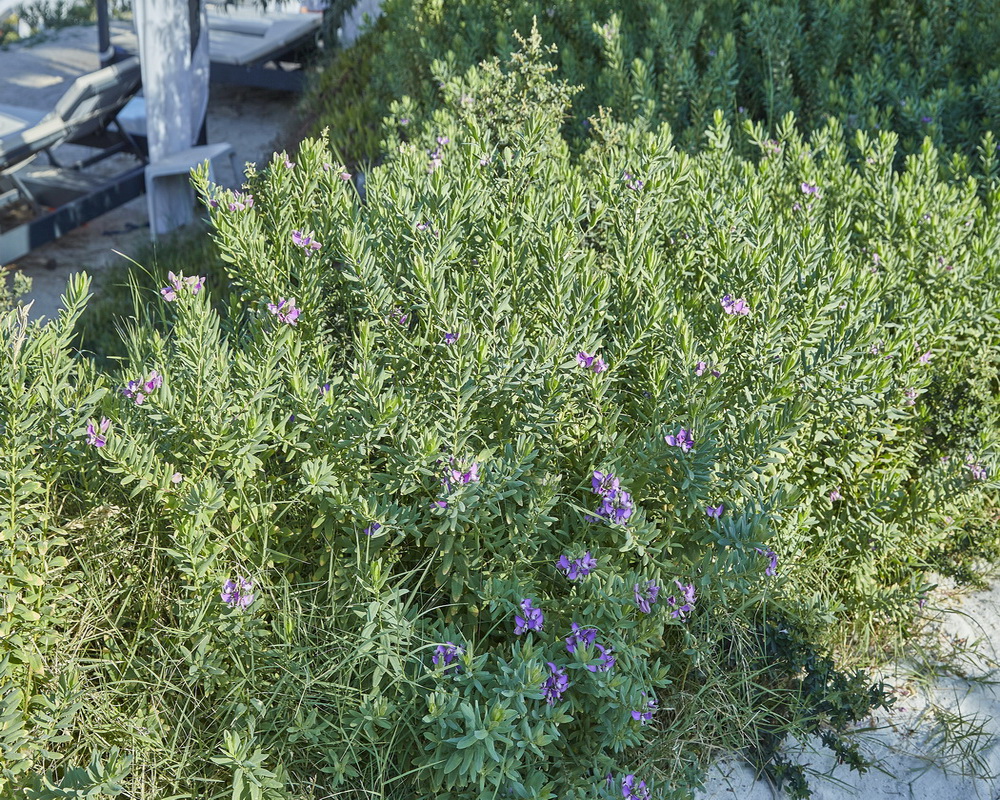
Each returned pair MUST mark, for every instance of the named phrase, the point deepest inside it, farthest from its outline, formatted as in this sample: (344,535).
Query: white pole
(173,51)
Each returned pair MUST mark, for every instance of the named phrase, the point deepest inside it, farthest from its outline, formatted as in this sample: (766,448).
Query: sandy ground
(939,742)
(254,121)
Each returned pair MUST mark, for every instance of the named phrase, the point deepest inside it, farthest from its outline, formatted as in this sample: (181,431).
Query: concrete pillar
(173,50)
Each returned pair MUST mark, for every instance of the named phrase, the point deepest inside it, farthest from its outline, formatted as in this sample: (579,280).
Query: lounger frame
(63,196)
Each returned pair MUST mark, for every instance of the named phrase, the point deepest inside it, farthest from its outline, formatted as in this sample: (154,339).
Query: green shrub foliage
(917,68)
(525,475)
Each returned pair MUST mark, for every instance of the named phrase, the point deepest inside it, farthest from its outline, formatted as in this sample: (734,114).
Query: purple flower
(305,241)
(131,391)
(241,202)
(178,283)
(580,636)
(926,357)
(646,596)
(324,389)
(607,661)
(345,176)
(577,568)
(604,483)
(615,506)
(176,478)
(808,188)
(422,226)
(288,163)
(616,503)
(978,471)
(631,182)
(532,619)
(443,140)
(587,361)
(374,528)
(170,292)
(680,607)
(925,120)
(715,511)
(642,716)
(631,791)
(440,504)
(138,392)
(450,338)
(683,439)
(461,474)
(285,310)
(154,381)
(95,433)
(237,593)
(399,316)
(444,654)
(404,120)
(699,368)
(555,685)
(911,397)
(738,308)
(772,567)
(835,495)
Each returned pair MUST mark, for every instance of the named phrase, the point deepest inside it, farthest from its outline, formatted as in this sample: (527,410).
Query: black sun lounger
(242,47)
(62,197)
(262,49)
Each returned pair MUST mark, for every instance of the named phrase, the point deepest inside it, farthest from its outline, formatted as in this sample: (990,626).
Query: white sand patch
(939,742)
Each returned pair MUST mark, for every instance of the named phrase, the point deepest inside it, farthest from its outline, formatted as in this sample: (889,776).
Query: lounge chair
(84,115)
(240,48)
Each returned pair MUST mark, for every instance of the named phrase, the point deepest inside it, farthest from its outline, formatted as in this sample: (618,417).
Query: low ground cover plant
(918,69)
(529,474)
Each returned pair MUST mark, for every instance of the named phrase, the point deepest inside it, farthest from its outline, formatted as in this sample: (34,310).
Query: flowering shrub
(908,67)
(383,526)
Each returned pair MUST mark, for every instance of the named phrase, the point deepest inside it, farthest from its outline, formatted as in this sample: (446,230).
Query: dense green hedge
(916,68)
(716,411)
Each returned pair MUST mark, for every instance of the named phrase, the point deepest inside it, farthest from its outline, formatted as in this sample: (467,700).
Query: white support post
(173,51)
